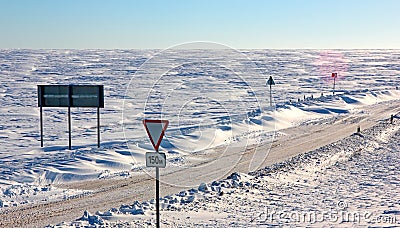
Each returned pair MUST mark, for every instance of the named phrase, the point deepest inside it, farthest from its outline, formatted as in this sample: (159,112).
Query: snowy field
(213,99)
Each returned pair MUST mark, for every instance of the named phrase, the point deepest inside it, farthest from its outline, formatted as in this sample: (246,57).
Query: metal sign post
(70,96)
(157,196)
(41,126)
(69,129)
(98,127)
(155,130)
(270,82)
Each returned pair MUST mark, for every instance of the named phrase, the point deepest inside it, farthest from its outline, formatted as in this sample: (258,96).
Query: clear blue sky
(240,24)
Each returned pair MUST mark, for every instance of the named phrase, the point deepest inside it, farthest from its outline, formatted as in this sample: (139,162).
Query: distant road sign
(155,159)
(334,75)
(155,130)
(270,81)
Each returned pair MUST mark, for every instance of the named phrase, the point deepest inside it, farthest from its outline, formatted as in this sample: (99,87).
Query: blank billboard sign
(87,96)
(53,95)
(71,96)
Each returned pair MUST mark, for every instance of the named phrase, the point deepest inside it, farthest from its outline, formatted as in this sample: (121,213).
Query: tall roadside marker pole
(155,130)
(270,82)
(334,76)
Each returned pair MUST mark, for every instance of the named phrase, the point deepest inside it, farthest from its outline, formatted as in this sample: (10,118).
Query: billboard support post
(69,128)
(41,126)
(98,127)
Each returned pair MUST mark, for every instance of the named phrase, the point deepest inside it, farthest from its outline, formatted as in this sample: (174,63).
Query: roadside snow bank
(15,195)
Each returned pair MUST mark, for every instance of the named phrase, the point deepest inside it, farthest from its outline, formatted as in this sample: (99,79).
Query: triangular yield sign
(155,129)
(270,81)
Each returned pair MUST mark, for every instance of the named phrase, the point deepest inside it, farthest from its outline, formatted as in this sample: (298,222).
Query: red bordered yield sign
(155,130)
